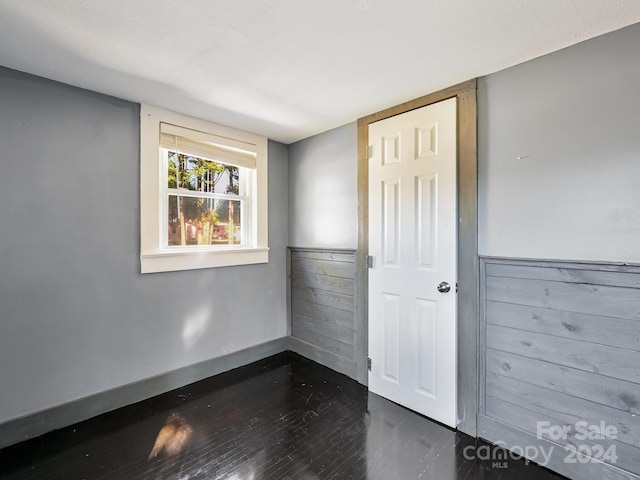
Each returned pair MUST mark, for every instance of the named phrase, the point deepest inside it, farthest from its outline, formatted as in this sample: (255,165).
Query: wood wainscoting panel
(560,349)
(322,304)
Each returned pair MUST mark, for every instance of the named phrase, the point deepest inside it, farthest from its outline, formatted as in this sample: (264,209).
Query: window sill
(192,260)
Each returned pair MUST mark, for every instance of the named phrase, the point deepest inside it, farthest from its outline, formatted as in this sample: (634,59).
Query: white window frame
(155,255)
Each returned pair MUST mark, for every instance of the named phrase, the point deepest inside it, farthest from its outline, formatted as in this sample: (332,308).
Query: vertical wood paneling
(323,306)
(561,343)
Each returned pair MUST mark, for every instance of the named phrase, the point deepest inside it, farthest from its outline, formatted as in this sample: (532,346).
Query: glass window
(212,192)
(205,201)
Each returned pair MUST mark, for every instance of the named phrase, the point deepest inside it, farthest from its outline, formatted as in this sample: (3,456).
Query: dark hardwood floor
(281,418)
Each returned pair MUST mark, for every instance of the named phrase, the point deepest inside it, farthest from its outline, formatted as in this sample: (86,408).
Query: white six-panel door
(412,238)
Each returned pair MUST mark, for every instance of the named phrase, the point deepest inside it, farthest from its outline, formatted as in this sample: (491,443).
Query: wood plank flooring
(282,418)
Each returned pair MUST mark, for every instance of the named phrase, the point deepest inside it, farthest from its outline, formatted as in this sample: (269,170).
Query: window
(203,194)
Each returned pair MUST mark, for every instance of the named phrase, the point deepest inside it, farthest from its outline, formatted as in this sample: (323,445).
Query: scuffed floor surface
(281,418)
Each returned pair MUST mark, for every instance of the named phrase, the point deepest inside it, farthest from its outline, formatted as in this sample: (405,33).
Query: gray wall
(573,118)
(323,190)
(76,316)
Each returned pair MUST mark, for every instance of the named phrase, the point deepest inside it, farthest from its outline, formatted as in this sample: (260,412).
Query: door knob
(444,287)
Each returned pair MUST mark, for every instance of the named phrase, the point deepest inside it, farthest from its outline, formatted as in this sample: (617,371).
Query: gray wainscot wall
(322,235)
(559,176)
(323,307)
(561,345)
(559,159)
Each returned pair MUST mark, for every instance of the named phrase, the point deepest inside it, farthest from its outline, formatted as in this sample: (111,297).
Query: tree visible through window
(203,194)
(204,201)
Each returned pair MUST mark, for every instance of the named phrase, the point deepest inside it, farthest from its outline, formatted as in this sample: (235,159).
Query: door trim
(468,264)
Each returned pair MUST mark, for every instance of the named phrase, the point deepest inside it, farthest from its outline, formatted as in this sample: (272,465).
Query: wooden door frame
(468,264)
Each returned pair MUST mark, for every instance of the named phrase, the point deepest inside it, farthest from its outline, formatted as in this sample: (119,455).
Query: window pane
(203,221)
(197,174)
